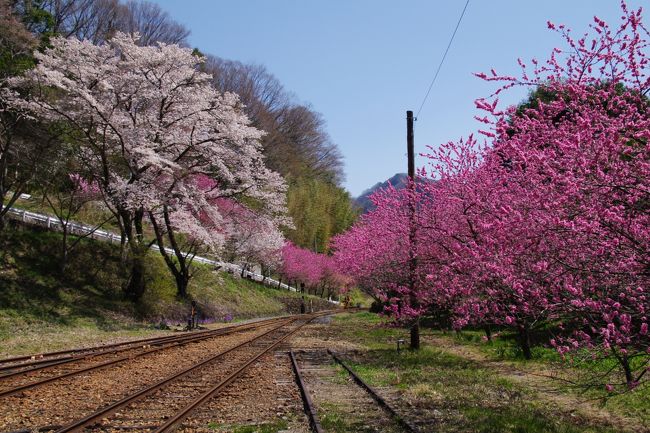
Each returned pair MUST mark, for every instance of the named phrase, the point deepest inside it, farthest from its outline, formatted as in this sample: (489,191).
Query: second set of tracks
(28,372)
(365,401)
(165,405)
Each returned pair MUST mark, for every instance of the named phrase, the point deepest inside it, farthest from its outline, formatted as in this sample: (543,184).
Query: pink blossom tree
(318,272)
(251,238)
(485,246)
(546,222)
(375,252)
(299,265)
(579,162)
(333,281)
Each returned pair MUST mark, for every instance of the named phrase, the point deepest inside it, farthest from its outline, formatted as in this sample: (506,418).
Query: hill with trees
(107,115)
(398,181)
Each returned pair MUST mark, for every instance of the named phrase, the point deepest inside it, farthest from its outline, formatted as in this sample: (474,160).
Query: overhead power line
(444,56)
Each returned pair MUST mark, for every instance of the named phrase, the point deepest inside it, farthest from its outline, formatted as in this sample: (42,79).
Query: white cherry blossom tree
(153,129)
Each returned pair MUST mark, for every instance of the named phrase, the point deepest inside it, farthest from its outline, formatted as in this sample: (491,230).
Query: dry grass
(52,338)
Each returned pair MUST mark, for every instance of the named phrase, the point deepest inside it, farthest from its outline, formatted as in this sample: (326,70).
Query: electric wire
(444,56)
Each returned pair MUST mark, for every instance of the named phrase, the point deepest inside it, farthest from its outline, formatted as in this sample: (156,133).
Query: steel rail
(50,356)
(25,387)
(39,357)
(314,422)
(180,416)
(112,408)
(373,393)
(167,340)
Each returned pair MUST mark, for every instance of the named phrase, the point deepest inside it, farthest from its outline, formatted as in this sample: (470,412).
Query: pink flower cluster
(84,187)
(545,222)
(312,269)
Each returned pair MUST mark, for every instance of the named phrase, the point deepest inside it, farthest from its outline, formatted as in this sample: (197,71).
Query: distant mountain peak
(398,180)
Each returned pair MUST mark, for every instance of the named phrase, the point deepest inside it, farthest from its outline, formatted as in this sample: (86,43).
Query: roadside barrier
(52,223)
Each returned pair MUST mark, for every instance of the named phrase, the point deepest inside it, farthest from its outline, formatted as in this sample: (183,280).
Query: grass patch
(516,420)
(465,395)
(335,418)
(44,310)
(272,427)
(580,367)
(504,346)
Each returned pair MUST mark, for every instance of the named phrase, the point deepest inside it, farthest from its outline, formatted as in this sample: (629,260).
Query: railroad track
(317,366)
(310,408)
(406,425)
(168,404)
(50,357)
(176,401)
(16,377)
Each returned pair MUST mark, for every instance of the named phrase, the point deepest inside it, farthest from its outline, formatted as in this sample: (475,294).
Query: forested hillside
(398,181)
(107,116)
(297,146)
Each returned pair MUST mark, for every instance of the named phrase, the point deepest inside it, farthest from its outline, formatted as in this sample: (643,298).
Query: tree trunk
(488,332)
(64,250)
(628,371)
(137,252)
(136,285)
(524,341)
(6,205)
(182,281)
(124,251)
(415,335)
(180,268)
(625,364)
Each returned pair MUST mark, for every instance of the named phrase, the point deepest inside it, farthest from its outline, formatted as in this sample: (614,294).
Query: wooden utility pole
(410,145)
(410,150)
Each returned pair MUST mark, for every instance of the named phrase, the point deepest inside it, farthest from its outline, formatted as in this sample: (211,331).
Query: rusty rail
(170,341)
(105,412)
(187,340)
(171,424)
(112,408)
(373,393)
(314,422)
(40,358)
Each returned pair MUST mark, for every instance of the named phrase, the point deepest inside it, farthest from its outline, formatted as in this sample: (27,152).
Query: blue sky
(363,63)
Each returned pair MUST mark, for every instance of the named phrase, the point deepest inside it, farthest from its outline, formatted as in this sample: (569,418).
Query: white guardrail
(53,223)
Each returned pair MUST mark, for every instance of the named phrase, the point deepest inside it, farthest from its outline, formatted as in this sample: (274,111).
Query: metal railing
(53,223)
